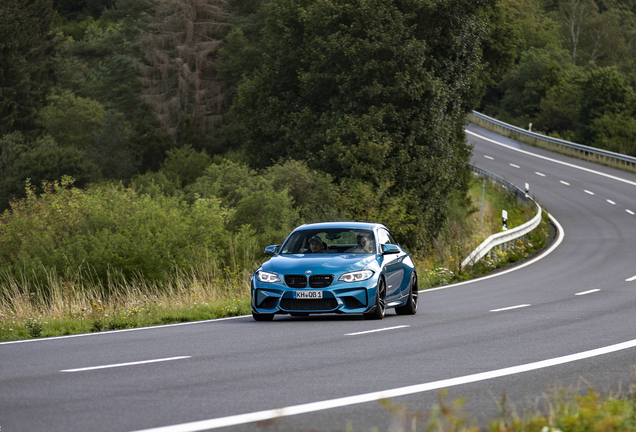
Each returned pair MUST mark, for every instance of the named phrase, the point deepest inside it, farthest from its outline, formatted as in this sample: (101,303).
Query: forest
(574,73)
(140,135)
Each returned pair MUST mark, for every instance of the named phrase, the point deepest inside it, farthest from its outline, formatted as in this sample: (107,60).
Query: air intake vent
(296,281)
(269,303)
(320,281)
(309,305)
(352,302)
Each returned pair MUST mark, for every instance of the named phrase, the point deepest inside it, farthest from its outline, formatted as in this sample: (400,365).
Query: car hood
(321,264)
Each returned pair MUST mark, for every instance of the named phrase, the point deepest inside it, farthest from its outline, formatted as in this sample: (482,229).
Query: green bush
(140,235)
(269,212)
(314,193)
(72,120)
(38,161)
(111,231)
(184,164)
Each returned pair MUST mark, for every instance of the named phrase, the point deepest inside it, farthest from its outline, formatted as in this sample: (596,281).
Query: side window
(392,240)
(384,237)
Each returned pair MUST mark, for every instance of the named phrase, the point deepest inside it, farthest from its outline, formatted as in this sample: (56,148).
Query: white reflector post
(504,217)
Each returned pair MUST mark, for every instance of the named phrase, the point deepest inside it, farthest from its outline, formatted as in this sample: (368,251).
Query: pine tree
(27,46)
(180,48)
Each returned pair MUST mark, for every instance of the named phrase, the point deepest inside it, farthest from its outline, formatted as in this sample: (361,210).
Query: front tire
(410,308)
(380,302)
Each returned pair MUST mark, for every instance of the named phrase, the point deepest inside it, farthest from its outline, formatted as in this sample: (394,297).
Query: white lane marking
(125,364)
(611,202)
(556,244)
(510,308)
(241,419)
(565,183)
(630,279)
(630,212)
(515,166)
(553,160)
(539,174)
(110,332)
(588,192)
(587,292)
(488,157)
(378,330)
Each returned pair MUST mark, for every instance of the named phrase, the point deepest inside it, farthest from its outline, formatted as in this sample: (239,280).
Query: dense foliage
(368,95)
(224,215)
(280,112)
(371,90)
(574,77)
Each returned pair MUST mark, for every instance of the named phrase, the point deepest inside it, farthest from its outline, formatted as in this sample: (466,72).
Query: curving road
(569,318)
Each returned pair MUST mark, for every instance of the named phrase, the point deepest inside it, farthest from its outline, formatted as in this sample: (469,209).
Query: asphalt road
(557,321)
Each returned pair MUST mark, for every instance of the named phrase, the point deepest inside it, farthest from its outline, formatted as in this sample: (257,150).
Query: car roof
(342,224)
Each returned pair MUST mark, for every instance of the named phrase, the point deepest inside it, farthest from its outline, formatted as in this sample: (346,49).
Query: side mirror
(388,249)
(271,250)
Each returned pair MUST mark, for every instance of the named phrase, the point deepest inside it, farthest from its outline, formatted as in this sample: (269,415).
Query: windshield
(335,240)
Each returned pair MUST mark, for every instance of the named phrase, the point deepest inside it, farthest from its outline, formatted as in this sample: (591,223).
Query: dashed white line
(588,192)
(241,419)
(565,183)
(515,166)
(552,160)
(488,157)
(539,174)
(587,292)
(630,279)
(378,330)
(629,211)
(611,202)
(125,364)
(510,308)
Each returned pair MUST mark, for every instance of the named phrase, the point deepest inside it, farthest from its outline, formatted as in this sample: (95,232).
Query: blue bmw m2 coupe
(335,267)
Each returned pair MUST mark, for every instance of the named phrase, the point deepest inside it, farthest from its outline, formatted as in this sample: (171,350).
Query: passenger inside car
(315,245)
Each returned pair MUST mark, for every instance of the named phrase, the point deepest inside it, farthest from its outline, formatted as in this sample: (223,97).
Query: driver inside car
(365,245)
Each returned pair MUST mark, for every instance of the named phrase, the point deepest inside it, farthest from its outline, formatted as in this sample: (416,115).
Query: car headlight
(356,276)
(267,277)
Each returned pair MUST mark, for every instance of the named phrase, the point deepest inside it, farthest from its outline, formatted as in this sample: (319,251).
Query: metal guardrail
(554,144)
(506,238)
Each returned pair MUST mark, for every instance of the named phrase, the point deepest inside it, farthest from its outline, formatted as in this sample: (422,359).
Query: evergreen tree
(27,45)
(180,49)
(373,90)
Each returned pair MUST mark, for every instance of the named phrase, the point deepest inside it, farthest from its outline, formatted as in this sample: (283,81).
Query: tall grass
(80,302)
(562,409)
(468,226)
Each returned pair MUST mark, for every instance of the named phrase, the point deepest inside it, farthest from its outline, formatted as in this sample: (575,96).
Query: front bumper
(338,298)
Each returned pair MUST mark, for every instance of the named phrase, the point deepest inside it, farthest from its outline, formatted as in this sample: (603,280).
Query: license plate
(307,294)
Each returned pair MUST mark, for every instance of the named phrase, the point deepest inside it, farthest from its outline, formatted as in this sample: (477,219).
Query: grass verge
(469,227)
(80,305)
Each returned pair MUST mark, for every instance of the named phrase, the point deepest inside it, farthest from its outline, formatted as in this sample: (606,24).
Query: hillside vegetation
(369,95)
(574,73)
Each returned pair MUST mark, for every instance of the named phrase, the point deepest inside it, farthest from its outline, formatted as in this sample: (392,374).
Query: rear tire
(380,303)
(262,317)
(410,308)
